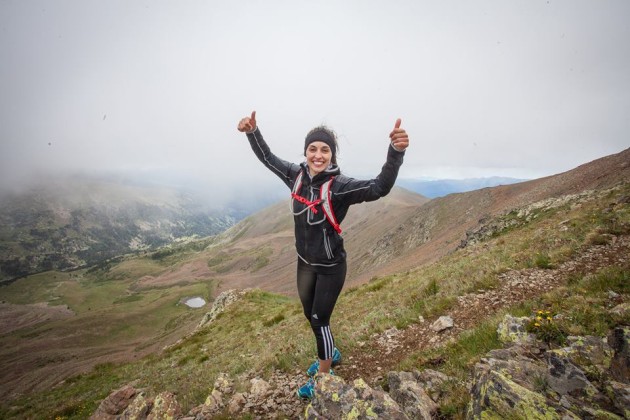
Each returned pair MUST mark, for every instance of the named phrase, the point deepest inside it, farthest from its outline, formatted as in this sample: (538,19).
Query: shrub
(546,329)
(542,261)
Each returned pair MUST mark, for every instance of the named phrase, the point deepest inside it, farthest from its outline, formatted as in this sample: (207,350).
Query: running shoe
(314,368)
(307,391)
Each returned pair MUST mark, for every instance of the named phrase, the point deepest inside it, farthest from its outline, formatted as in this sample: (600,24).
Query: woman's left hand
(399,137)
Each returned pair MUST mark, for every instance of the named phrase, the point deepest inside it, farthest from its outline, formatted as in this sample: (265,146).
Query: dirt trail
(386,350)
(515,286)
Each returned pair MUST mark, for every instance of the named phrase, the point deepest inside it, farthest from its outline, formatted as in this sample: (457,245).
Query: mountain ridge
(424,230)
(260,247)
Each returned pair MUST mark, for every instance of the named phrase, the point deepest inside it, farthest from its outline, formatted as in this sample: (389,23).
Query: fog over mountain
(155,90)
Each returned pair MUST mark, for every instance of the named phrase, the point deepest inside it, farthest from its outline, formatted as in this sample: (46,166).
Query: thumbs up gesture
(399,137)
(247,124)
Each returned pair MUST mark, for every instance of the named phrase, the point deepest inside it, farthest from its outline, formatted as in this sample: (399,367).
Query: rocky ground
(276,396)
(515,286)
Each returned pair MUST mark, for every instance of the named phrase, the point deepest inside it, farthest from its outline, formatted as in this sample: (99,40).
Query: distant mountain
(442,187)
(399,232)
(71,222)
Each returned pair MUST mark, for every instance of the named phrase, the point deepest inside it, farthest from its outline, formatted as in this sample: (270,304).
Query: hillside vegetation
(66,224)
(266,335)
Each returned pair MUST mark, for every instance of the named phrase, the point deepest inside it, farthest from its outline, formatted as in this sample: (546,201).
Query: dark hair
(325,134)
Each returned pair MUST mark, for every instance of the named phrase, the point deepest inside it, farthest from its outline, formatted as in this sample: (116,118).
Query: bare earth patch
(13,317)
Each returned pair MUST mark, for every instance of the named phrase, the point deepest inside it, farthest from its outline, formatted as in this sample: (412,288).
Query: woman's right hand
(247,124)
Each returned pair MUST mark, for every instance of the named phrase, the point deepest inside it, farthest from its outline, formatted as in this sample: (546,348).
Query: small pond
(196,302)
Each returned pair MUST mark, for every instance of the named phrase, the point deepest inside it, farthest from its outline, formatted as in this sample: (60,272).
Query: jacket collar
(320,177)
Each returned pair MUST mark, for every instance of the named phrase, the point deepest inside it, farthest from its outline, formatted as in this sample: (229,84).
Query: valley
(124,319)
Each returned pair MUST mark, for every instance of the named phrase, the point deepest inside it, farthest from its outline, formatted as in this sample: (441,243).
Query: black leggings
(319,288)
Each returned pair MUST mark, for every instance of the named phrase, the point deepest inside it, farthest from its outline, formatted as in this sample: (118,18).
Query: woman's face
(318,155)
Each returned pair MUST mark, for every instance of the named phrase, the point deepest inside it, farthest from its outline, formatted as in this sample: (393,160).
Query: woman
(321,197)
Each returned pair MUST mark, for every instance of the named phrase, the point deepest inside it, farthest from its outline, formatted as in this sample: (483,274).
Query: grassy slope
(266,331)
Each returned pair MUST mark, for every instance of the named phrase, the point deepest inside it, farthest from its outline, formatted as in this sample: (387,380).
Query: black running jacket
(316,241)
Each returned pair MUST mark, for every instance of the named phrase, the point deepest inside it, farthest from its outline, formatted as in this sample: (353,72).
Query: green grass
(37,288)
(265,331)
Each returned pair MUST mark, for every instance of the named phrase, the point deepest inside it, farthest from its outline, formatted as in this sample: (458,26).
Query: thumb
(397,125)
(253,117)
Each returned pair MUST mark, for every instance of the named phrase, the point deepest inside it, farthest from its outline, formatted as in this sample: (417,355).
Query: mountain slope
(439,227)
(133,307)
(64,224)
(259,251)
(399,232)
(380,326)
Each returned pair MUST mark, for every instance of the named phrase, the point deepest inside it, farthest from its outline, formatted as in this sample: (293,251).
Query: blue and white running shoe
(307,391)
(314,368)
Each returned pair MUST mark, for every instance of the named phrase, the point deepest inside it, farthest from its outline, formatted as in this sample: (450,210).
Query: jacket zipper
(310,211)
(327,246)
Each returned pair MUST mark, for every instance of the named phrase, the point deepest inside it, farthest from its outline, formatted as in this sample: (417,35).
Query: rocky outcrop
(587,378)
(115,404)
(219,305)
(489,227)
(619,340)
(406,388)
(129,403)
(264,399)
(512,330)
(335,399)
(526,380)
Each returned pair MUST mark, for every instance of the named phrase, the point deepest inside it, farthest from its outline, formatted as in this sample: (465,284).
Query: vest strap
(325,200)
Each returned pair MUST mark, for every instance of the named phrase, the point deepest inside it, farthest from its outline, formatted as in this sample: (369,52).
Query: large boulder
(514,362)
(621,397)
(433,383)
(115,404)
(570,382)
(407,391)
(592,354)
(565,378)
(128,403)
(138,409)
(496,395)
(335,399)
(165,407)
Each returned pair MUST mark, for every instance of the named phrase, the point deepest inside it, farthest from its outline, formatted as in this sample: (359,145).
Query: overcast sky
(508,88)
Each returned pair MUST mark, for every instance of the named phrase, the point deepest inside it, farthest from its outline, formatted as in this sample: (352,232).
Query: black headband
(323,136)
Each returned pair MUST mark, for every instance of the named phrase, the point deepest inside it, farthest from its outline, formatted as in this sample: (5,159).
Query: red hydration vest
(324,200)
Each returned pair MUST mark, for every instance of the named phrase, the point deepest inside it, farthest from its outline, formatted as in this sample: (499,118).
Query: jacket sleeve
(353,191)
(286,171)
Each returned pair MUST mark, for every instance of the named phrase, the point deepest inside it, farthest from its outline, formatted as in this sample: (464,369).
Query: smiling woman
(321,197)
(320,149)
